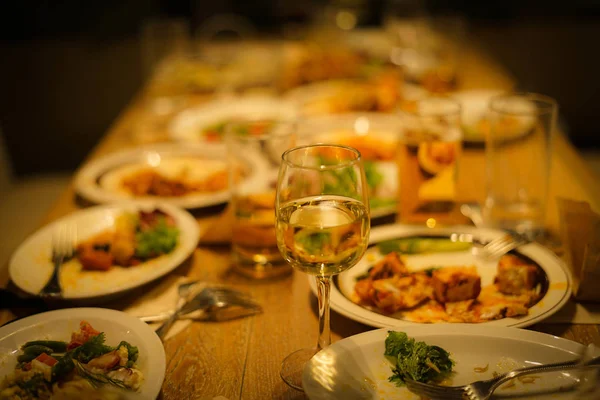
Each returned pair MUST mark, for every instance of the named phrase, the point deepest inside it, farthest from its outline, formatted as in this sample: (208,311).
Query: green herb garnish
(161,239)
(339,182)
(313,242)
(97,380)
(373,175)
(416,360)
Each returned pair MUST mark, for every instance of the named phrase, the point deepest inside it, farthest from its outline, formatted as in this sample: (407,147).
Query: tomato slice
(46,359)
(86,332)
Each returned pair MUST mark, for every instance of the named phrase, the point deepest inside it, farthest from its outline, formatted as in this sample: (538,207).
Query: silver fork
(209,298)
(188,303)
(502,245)
(483,390)
(63,243)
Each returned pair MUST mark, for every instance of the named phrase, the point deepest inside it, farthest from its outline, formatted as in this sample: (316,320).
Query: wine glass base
(293,365)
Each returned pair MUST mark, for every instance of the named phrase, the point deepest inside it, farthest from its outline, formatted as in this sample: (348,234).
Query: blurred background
(69,67)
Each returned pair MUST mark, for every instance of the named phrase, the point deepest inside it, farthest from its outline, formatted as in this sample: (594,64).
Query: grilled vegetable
(55,345)
(418,245)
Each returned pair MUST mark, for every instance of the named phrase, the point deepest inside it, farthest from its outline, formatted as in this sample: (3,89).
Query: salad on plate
(83,367)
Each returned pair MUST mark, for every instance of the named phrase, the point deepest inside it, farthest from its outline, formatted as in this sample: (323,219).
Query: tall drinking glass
(259,143)
(323,224)
(518,149)
(428,156)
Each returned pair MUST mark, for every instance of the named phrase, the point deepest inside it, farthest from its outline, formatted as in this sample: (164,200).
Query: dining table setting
(338,217)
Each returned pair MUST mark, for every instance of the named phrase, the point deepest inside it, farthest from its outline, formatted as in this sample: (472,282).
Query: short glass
(429,150)
(518,150)
(322,226)
(254,148)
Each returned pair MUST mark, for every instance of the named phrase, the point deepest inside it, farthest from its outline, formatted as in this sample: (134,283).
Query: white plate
(475,107)
(385,128)
(559,288)
(30,266)
(355,367)
(98,180)
(311,99)
(187,126)
(58,325)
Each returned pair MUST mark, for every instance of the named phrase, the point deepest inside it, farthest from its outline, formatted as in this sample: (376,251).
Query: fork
(233,298)
(483,390)
(63,241)
(209,298)
(502,245)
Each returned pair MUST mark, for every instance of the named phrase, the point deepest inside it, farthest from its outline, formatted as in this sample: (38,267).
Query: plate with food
(206,124)
(476,120)
(116,248)
(374,365)
(80,353)
(191,176)
(412,275)
(379,93)
(376,137)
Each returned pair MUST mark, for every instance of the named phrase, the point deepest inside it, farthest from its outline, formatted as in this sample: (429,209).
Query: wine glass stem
(323,290)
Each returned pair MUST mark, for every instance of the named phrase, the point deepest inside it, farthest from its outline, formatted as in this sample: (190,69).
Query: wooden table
(240,359)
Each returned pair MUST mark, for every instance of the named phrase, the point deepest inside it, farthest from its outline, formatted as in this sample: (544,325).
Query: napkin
(580,230)
(163,298)
(219,231)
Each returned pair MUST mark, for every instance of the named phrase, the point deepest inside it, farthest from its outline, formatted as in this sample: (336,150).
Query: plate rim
(424,331)
(192,238)
(337,297)
(159,359)
(87,186)
(276,106)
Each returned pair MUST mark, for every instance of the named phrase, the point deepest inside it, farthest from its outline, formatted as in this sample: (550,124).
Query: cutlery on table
(63,243)
(499,246)
(483,390)
(183,291)
(218,303)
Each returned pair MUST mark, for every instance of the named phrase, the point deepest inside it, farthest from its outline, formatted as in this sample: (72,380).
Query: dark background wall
(69,67)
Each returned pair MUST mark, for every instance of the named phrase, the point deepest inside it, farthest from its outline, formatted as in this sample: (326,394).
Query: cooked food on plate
(379,93)
(135,238)
(215,132)
(416,360)
(381,190)
(449,293)
(175,177)
(308,64)
(373,146)
(84,367)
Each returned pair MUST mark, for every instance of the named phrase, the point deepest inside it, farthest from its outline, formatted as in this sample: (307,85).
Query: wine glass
(323,224)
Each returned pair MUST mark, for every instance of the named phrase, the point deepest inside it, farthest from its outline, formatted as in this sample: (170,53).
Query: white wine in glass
(323,224)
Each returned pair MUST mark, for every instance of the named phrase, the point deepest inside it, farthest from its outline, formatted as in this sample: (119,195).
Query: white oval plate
(355,367)
(311,97)
(559,288)
(188,125)
(30,266)
(97,180)
(58,325)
